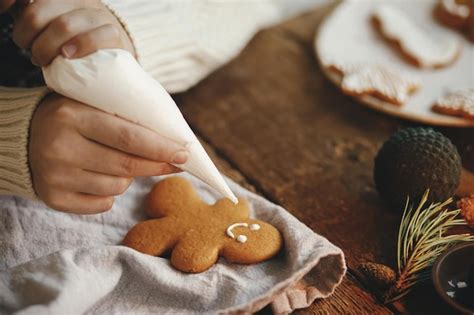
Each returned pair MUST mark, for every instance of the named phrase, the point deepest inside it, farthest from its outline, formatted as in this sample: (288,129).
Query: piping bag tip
(232,198)
(227,193)
(230,195)
(111,80)
(200,165)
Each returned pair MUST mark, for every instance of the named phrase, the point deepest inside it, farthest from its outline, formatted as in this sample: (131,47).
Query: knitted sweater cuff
(16,110)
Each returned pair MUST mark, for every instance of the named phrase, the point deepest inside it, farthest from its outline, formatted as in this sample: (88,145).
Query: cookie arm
(152,237)
(171,196)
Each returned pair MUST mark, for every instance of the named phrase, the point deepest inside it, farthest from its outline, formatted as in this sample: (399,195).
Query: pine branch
(421,239)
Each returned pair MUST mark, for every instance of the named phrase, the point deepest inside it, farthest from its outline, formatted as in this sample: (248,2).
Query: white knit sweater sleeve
(179,42)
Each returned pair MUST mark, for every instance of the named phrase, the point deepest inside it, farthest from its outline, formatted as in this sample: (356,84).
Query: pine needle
(421,239)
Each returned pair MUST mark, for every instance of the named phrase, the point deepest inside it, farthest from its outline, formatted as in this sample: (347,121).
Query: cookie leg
(152,237)
(194,254)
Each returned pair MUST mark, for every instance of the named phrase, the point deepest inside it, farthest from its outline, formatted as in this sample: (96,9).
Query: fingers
(102,37)
(77,203)
(73,190)
(47,44)
(80,181)
(78,191)
(73,28)
(73,172)
(131,138)
(118,163)
(35,17)
(99,184)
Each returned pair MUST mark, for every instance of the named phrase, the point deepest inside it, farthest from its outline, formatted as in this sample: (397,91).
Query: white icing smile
(241,238)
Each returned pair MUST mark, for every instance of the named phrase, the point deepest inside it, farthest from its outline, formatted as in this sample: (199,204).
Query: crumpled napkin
(57,263)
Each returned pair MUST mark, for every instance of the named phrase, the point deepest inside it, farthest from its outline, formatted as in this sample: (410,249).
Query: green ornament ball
(413,160)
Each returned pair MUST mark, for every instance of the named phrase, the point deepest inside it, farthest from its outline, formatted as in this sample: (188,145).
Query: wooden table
(276,125)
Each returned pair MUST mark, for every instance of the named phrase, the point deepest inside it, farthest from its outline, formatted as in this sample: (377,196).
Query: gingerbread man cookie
(376,80)
(415,44)
(197,233)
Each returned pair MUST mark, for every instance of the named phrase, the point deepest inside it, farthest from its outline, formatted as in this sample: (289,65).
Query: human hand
(81,157)
(73,28)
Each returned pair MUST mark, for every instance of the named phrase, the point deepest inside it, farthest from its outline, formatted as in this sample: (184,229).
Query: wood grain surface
(349,297)
(276,125)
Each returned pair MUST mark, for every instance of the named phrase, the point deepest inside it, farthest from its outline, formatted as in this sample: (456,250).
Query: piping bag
(112,80)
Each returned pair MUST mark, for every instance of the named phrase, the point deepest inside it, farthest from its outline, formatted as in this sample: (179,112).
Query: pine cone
(379,274)
(392,294)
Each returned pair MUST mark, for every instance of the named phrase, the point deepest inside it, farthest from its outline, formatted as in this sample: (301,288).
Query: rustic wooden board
(348,296)
(273,116)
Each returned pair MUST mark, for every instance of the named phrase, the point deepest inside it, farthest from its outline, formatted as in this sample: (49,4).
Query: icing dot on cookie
(254,227)
(242,238)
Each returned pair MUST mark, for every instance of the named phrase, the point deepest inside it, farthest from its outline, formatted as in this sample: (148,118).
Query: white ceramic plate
(348,36)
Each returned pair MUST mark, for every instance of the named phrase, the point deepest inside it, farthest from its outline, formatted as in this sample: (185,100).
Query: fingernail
(69,50)
(181,157)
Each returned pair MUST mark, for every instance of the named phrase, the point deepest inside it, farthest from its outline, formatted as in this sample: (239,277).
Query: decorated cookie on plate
(197,233)
(457,14)
(412,41)
(396,58)
(378,81)
(457,103)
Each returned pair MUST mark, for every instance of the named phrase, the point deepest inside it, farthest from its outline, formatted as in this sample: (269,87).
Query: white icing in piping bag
(113,81)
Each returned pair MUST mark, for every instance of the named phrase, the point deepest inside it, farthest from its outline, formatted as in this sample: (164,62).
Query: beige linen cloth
(57,263)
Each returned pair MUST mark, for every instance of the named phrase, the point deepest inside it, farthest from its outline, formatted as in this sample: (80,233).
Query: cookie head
(197,233)
(251,241)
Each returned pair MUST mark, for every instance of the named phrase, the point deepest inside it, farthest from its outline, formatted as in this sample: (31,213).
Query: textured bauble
(413,160)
